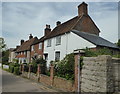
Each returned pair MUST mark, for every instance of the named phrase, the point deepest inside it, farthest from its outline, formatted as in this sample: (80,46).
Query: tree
(2,44)
(118,43)
(4,53)
(5,56)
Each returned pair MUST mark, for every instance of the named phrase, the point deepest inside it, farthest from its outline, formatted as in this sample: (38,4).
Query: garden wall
(116,71)
(63,84)
(45,79)
(51,80)
(100,74)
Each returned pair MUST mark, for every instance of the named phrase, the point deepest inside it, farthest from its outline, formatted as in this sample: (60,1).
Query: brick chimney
(30,37)
(17,46)
(22,41)
(47,30)
(82,9)
(58,23)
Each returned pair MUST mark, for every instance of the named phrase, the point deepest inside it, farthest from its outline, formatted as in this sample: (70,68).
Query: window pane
(57,56)
(40,45)
(58,40)
(49,43)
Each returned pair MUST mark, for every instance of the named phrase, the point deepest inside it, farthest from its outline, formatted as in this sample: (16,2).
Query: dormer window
(49,43)
(58,40)
(32,48)
(40,45)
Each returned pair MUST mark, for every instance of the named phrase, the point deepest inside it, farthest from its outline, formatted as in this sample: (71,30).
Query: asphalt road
(13,83)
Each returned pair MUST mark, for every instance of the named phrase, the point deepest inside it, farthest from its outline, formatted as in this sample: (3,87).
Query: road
(13,83)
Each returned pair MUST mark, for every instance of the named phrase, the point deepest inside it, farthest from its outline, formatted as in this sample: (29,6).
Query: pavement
(13,83)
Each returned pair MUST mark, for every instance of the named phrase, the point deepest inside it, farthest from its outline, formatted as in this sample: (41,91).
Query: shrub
(65,67)
(26,68)
(16,70)
(42,63)
(15,60)
(11,69)
(102,51)
(34,67)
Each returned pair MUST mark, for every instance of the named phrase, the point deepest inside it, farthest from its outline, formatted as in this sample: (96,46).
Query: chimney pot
(30,37)
(47,26)
(82,9)
(17,46)
(47,30)
(58,23)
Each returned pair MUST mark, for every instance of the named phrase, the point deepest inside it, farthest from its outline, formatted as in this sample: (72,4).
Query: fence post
(51,73)
(77,72)
(22,68)
(38,72)
(29,70)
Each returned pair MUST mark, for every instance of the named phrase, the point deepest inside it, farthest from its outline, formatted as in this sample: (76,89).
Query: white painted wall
(69,43)
(11,56)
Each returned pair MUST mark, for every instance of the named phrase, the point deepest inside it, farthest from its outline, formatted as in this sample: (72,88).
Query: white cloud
(21,19)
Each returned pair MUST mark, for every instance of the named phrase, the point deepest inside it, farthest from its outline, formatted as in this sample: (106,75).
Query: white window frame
(58,40)
(40,45)
(49,41)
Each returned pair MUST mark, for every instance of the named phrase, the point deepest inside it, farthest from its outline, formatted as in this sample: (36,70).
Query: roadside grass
(6,70)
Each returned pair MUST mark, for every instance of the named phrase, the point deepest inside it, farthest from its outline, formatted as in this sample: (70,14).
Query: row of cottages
(77,33)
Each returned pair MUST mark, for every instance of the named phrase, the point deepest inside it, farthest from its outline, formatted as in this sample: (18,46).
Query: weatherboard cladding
(99,41)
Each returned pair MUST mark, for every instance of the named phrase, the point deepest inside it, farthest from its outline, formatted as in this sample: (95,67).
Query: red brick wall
(87,25)
(37,50)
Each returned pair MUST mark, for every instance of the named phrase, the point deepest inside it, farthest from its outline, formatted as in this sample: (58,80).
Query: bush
(65,67)
(16,70)
(26,68)
(102,51)
(42,63)
(34,68)
(11,69)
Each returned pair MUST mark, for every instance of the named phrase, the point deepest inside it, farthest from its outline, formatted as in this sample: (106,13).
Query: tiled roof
(63,28)
(21,56)
(99,41)
(26,45)
(83,22)
(39,40)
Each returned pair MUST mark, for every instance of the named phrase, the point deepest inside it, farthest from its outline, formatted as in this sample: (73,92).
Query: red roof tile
(26,45)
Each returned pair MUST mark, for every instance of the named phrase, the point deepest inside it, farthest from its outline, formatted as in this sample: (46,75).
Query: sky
(19,19)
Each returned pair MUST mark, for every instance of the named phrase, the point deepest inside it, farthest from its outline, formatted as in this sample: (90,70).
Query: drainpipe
(66,42)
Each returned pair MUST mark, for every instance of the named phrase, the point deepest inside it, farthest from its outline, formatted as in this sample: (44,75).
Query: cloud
(24,18)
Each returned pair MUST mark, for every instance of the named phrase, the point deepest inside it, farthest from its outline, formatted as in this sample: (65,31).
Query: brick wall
(45,79)
(51,80)
(37,50)
(63,84)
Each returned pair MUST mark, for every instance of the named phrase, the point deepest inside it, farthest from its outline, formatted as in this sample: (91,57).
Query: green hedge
(16,70)
(11,69)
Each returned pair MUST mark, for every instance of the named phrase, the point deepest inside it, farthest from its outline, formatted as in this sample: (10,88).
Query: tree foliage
(2,44)
(118,43)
